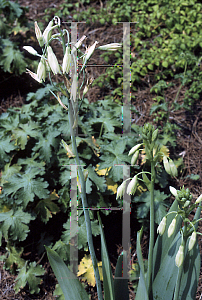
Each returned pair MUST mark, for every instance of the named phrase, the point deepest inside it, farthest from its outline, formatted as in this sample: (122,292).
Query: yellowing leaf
(85,268)
(164,151)
(111,185)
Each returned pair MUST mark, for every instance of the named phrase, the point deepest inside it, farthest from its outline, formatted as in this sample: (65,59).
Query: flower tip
(173,191)
(30,50)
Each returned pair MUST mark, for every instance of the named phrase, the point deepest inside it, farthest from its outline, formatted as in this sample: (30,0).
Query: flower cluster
(48,61)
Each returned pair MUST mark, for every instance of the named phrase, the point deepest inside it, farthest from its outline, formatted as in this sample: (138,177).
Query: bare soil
(189,137)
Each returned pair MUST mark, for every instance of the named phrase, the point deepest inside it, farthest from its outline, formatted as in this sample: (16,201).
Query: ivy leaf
(46,207)
(58,293)
(29,275)
(62,249)
(14,258)
(45,143)
(9,171)
(113,157)
(98,180)
(25,186)
(159,205)
(11,59)
(85,268)
(6,146)
(13,224)
(23,132)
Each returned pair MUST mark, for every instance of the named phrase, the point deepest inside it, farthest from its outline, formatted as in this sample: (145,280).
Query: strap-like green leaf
(106,267)
(69,283)
(121,285)
(142,293)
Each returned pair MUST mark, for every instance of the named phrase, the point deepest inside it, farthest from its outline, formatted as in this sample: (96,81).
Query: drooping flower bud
(154,135)
(33,75)
(171,228)
(90,51)
(121,190)
(78,44)
(134,149)
(135,157)
(192,241)
(30,50)
(47,32)
(199,199)
(162,226)
(66,61)
(173,191)
(110,47)
(41,70)
(39,35)
(166,165)
(131,189)
(173,168)
(179,256)
(53,62)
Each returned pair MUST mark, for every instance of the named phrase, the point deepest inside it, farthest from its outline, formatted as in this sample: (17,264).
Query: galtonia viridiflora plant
(48,68)
(174,257)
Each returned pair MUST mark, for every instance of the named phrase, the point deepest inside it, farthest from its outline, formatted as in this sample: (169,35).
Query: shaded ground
(189,137)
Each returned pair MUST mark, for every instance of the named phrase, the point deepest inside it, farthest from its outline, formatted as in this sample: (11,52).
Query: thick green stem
(85,205)
(151,238)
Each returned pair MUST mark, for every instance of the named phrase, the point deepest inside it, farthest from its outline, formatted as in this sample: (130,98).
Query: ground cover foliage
(35,178)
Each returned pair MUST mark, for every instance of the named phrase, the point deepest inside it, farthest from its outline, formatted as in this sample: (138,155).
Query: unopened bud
(41,70)
(154,135)
(173,168)
(135,157)
(171,228)
(121,190)
(199,199)
(162,226)
(30,50)
(131,189)
(52,60)
(33,75)
(39,35)
(179,256)
(173,191)
(110,47)
(78,44)
(134,149)
(90,51)
(166,165)
(192,241)
(47,32)
(66,61)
